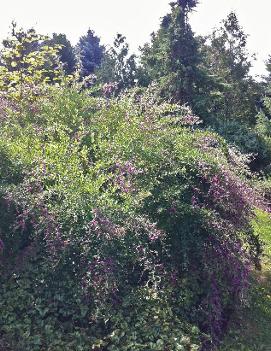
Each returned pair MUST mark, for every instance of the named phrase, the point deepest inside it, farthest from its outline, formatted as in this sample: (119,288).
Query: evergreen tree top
(186,5)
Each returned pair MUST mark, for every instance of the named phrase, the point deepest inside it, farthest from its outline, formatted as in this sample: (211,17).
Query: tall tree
(66,51)
(229,60)
(187,5)
(263,125)
(90,53)
(265,110)
(174,60)
(267,77)
(118,65)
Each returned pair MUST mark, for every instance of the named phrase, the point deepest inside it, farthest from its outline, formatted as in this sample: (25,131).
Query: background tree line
(211,74)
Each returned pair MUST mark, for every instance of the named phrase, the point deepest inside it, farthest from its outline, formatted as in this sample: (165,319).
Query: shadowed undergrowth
(250,330)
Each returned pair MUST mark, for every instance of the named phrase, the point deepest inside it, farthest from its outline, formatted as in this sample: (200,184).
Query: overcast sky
(136,19)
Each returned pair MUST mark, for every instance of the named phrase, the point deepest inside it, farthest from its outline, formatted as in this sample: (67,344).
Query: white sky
(136,19)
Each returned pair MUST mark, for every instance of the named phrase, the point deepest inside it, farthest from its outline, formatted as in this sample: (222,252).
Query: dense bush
(123,226)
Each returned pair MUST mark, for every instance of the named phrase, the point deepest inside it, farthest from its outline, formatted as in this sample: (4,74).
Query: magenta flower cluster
(109,89)
(190,120)
(103,226)
(124,175)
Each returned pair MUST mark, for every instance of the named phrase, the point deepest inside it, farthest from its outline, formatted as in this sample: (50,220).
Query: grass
(250,328)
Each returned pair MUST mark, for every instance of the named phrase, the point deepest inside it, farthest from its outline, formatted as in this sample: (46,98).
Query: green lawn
(251,328)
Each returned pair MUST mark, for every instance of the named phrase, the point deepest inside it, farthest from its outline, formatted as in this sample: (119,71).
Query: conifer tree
(90,53)
(173,59)
(66,52)
(229,61)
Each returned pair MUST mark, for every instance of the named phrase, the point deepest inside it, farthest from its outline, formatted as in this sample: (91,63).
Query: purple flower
(190,120)
(109,89)
(103,226)
(195,201)
(124,176)
(207,142)
(1,246)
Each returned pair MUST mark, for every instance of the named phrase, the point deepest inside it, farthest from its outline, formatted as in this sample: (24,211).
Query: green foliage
(268,68)
(117,66)
(173,59)
(227,58)
(209,74)
(249,140)
(156,325)
(123,225)
(113,217)
(263,131)
(27,64)
(250,328)
(90,53)
(66,52)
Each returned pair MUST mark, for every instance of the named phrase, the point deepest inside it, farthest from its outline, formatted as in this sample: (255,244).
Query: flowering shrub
(123,227)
